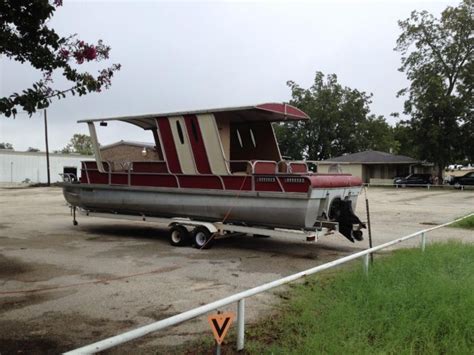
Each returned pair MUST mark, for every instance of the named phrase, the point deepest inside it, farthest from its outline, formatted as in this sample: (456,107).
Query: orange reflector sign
(220,324)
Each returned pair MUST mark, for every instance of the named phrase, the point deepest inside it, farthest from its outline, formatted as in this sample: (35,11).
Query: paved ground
(108,276)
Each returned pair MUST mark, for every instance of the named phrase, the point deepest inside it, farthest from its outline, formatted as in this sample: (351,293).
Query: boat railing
(261,175)
(312,165)
(293,167)
(254,167)
(125,177)
(68,177)
(247,167)
(237,167)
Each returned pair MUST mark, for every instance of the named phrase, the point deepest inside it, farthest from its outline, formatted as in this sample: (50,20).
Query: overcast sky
(194,55)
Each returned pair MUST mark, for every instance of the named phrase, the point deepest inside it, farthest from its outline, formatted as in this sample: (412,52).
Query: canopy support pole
(96,147)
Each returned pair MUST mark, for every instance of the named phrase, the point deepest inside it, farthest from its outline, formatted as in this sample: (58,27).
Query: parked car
(414,179)
(453,167)
(466,179)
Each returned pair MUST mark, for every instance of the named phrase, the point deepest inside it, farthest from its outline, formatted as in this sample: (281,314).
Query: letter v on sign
(220,324)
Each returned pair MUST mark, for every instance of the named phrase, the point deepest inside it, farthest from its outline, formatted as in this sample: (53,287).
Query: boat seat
(265,167)
(240,167)
(119,166)
(154,166)
(92,165)
(297,167)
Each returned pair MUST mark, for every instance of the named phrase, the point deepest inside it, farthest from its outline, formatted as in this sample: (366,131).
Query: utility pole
(47,146)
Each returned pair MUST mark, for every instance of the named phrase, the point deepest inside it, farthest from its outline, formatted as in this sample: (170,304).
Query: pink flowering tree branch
(25,37)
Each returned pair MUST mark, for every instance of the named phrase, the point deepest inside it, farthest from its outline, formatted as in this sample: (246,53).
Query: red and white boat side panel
(192,145)
(168,144)
(213,144)
(197,144)
(182,145)
(153,174)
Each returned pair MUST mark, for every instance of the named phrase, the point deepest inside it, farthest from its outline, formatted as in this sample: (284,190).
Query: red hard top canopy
(264,112)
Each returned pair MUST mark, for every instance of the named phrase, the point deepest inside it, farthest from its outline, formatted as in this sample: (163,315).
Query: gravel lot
(64,286)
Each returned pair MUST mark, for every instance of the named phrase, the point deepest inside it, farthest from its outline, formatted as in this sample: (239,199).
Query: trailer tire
(179,236)
(202,238)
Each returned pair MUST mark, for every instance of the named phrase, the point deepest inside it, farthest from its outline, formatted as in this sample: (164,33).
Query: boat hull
(275,209)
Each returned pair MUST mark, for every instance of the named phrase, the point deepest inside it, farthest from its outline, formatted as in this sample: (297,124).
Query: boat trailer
(203,234)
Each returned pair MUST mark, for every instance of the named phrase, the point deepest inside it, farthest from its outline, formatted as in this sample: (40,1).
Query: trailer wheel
(202,238)
(179,236)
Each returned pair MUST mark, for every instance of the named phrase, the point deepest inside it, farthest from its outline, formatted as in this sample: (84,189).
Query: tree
(437,57)
(4,145)
(26,37)
(467,137)
(404,136)
(377,134)
(340,122)
(79,143)
(31,149)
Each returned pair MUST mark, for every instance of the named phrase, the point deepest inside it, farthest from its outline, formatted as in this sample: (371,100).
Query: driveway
(64,286)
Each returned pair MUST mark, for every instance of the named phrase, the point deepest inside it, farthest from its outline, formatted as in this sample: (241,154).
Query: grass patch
(411,303)
(465,223)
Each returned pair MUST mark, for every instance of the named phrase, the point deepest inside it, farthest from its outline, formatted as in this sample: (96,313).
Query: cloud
(193,55)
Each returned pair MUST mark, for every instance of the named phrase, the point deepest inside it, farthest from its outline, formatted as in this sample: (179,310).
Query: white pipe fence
(241,296)
(428,186)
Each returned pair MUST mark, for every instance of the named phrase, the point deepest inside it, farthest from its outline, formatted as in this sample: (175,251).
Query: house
(375,167)
(122,152)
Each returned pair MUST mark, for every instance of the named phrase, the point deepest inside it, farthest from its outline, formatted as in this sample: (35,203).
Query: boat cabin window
(253,138)
(250,141)
(239,137)
(180,132)
(133,144)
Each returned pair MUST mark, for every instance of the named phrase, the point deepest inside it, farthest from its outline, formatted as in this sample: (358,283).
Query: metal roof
(262,112)
(132,143)
(371,157)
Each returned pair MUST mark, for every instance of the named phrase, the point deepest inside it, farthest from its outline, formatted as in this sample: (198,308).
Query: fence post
(240,324)
(366,264)
(423,241)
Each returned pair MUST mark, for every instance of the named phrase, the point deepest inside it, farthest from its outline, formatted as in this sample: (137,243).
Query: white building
(30,167)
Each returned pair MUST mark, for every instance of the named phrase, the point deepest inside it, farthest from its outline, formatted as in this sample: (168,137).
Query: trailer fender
(186,222)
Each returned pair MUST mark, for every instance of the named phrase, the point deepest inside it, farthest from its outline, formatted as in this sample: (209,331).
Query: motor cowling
(341,211)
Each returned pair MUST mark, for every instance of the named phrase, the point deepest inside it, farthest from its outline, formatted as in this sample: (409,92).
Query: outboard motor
(342,212)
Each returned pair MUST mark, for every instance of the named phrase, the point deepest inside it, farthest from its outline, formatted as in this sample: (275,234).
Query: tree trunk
(440,173)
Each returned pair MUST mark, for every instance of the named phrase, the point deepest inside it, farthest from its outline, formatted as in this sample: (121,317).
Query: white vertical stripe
(96,146)
(185,153)
(213,144)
